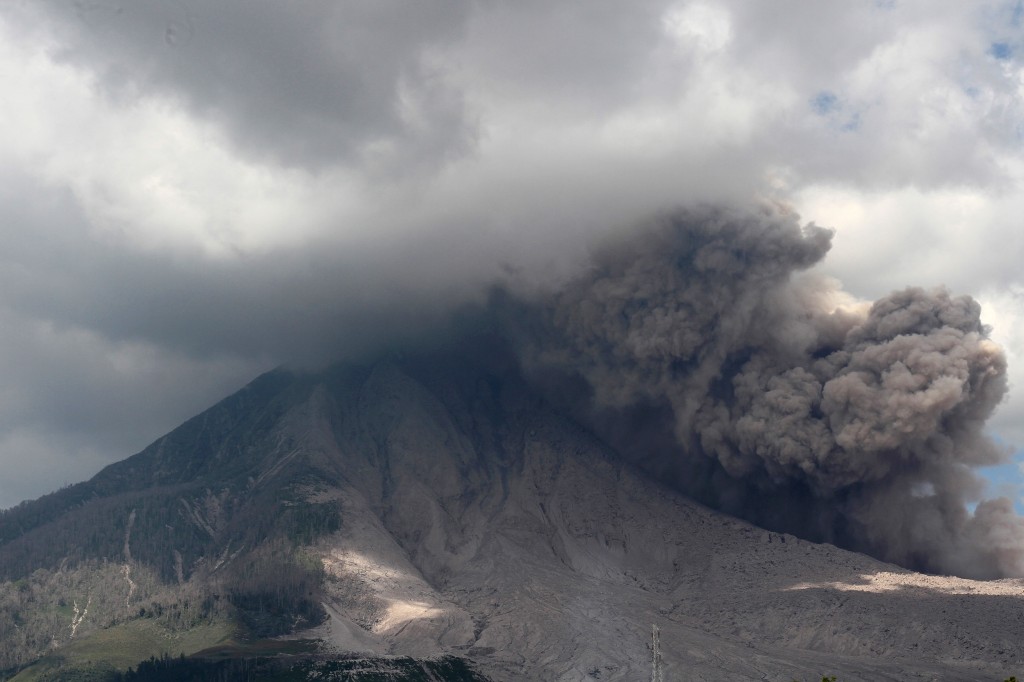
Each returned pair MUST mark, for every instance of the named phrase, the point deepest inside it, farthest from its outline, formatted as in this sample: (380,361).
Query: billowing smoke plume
(700,349)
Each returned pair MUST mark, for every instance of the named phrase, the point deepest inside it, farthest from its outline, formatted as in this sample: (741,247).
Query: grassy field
(123,646)
(216,654)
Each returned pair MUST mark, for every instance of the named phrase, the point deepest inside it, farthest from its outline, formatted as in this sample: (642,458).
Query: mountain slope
(436,505)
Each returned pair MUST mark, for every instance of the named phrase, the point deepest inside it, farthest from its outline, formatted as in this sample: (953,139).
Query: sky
(195,191)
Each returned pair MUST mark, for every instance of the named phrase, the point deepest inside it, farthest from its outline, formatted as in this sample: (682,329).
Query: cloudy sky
(194,191)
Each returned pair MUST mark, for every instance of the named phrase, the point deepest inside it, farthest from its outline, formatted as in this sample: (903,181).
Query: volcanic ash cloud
(857,424)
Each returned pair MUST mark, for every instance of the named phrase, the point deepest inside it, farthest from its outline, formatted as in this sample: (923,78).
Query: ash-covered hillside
(437,505)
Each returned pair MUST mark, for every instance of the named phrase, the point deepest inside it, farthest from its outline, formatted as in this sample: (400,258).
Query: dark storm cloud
(305,83)
(74,398)
(303,305)
(103,347)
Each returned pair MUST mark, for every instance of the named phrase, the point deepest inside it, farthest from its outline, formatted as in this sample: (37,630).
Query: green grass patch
(122,646)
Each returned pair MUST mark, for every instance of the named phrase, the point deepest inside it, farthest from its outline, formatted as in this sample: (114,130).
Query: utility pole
(656,672)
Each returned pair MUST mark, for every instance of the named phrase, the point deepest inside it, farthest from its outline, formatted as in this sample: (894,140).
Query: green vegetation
(448,669)
(276,589)
(268,586)
(116,648)
(203,530)
(270,667)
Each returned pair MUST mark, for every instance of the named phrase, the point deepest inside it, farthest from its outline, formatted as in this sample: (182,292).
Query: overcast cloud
(193,192)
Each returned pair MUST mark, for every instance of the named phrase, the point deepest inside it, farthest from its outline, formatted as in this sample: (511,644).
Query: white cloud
(698,26)
(145,172)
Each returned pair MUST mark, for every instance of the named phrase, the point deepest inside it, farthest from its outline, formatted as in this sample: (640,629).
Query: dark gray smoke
(700,349)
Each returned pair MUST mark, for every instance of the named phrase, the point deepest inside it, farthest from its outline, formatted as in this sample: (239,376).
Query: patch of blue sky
(828,105)
(825,102)
(1006,480)
(1001,51)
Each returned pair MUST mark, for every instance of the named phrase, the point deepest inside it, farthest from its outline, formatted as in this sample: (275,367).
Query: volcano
(434,508)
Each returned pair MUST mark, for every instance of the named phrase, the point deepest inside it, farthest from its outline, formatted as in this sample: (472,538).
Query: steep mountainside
(435,505)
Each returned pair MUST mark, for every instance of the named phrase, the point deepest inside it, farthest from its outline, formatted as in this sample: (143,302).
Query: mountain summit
(434,505)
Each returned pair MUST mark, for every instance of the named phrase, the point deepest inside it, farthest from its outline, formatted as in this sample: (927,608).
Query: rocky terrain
(552,561)
(440,507)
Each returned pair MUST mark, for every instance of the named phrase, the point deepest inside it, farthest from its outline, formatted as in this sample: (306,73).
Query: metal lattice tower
(656,672)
